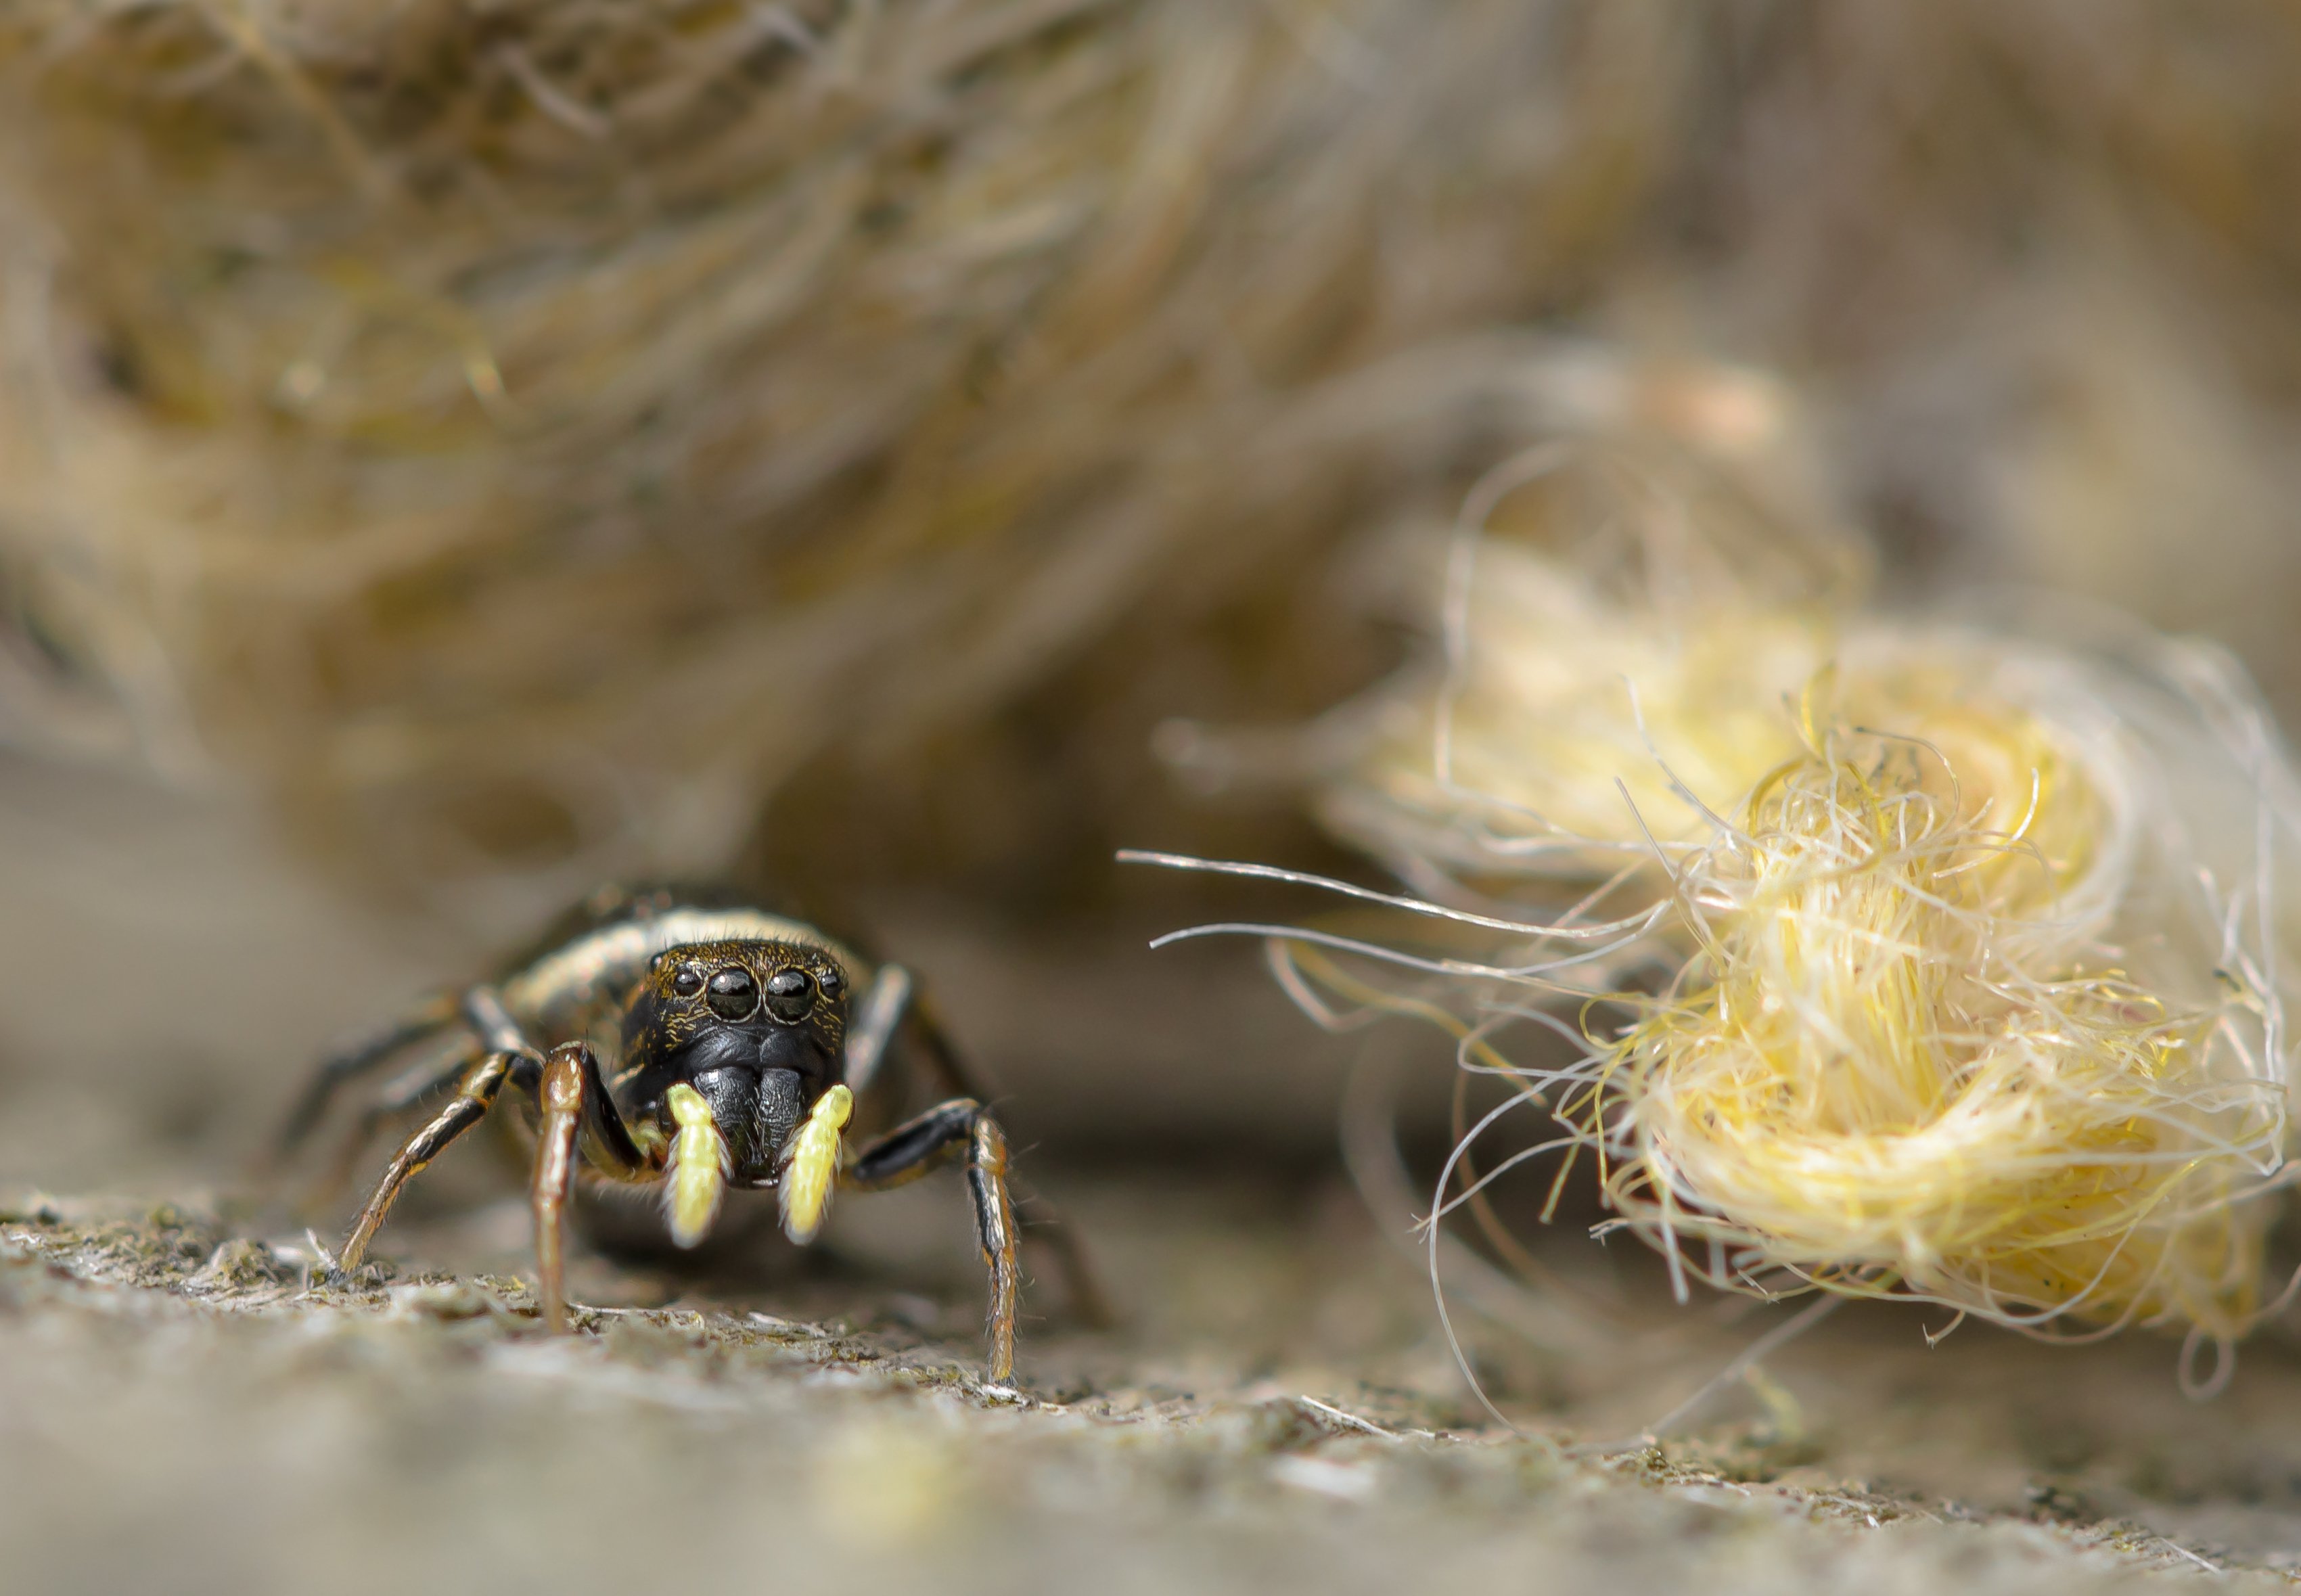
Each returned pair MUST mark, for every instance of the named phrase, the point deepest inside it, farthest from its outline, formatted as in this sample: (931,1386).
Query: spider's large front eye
(791,995)
(733,993)
(688,981)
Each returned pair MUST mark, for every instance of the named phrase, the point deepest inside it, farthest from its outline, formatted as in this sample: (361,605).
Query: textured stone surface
(181,1410)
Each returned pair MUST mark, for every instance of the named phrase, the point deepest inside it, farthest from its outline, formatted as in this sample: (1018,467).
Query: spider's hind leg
(399,1098)
(904,1154)
(481,1084)
(350,1062)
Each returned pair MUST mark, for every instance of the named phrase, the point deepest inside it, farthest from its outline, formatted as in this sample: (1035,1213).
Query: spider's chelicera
(694,1044)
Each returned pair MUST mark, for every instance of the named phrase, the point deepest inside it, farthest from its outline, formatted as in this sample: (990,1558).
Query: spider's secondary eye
(791,994)
(832,983)
(733,993)
(688,981)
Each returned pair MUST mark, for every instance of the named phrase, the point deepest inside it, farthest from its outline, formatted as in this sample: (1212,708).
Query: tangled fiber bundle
(1905,1061)
(522,432)
(1899,958)
(519,433)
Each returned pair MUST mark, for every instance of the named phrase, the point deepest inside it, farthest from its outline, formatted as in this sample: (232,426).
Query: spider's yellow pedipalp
(811,1163)
(696,1177)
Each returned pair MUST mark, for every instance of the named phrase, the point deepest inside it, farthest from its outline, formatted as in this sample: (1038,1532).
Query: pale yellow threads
(696,1177)
(1909,960)
(811,1164)
(1889,1073)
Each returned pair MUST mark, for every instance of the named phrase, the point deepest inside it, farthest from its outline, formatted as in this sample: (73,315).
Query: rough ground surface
(183,1408)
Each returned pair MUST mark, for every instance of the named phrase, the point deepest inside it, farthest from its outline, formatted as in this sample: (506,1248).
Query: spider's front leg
(574,1103)
(934,1138)
(574,1100)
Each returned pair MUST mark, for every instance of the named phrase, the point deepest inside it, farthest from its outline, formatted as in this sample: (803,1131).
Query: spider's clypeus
(742,1047)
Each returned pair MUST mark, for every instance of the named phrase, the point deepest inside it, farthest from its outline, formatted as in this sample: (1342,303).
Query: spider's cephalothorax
(742,1049)
(757,1028)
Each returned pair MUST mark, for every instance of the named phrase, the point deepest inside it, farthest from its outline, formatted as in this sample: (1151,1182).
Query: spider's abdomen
(586,974)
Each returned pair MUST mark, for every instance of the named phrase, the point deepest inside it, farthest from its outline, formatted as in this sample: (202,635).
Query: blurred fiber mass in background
(456,451)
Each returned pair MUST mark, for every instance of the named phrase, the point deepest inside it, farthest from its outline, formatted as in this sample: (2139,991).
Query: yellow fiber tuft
(1891,1070)
(1909,959)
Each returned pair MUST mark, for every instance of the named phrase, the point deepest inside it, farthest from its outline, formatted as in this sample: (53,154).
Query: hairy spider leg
(574,1103)
(613,1149)
(357,1059)
(910,1150)
(894,1008)
(482,1009)
(573,1100)
(398,1098)
(476,1009)
(565,1080)
(473,1099)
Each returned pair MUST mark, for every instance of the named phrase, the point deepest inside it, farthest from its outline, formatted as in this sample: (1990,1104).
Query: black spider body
(673,986)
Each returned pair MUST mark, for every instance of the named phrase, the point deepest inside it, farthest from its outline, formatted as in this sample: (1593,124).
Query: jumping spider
(734,1059)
